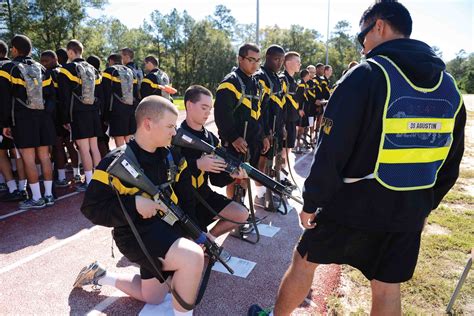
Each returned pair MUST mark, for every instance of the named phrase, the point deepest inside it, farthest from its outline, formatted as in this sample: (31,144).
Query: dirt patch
(435,229)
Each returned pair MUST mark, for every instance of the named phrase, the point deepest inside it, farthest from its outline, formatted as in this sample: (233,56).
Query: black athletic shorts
(204,216)
(34,131)
(303,122)
(85,124)
(122,120)
(158,238)
(254,149)
(6,143)
(384,256)
(290,134)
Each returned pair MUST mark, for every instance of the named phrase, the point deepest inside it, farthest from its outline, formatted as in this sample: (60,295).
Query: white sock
(13,161)
(88,175)
(110,278)
(12,186)
(38,168)
(61,174)
(35,190)
(260,191)
(76,172)
(48,187)
(22,184)
(2,178)
(178,313)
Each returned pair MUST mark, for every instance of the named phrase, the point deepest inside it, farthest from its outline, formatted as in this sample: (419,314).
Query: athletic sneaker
(90,274)
(297,151)
(77,178)
(3,187)
(81,187)
(246,229)
(49,200)
(256,310)
(61,183)
(15,196)
(30,203)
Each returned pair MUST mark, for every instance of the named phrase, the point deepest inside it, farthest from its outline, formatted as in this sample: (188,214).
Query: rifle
(186,139)
(239,195)
(125,167)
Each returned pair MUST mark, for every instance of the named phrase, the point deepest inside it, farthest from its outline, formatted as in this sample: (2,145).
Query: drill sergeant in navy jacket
(383,164)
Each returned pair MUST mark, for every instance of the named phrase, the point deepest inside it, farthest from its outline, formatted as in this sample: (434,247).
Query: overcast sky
(448,24)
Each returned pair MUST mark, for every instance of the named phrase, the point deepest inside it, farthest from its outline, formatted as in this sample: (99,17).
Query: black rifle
(239,197)
(126,168)
(186,139)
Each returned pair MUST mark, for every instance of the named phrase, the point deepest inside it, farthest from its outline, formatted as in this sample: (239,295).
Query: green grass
(179,102)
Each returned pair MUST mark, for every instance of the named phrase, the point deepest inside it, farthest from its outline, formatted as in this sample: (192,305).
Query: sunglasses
(361,36)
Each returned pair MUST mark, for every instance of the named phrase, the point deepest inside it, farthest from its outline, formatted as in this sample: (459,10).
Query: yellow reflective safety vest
(417,129)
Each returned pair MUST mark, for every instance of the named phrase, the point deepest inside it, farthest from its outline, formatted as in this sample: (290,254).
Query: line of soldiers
(256,106)
(62,103)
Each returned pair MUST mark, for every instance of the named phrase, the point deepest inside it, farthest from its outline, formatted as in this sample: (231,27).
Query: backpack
(126,85)
(163,80)
(87,74)
(32,74)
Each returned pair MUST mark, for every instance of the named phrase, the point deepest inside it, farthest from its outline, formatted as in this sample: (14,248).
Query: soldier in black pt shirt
(181,260)
(205,168)
(273,105)
(13,192)
(238,101)
(292,65)
(24,106)
(156,82)
(80,96)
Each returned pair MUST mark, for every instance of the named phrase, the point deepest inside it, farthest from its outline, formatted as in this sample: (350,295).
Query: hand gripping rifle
(126,168)
(186,139)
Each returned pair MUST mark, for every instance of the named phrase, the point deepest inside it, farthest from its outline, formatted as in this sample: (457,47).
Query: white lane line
(65,196)
(99,308)
(302,157)
(46,250)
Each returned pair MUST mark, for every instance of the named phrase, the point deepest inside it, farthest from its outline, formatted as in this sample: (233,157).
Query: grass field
(445,247)
(179,102)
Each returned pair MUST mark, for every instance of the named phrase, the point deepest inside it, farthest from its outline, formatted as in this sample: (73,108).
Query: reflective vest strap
(418,125)
(412,155)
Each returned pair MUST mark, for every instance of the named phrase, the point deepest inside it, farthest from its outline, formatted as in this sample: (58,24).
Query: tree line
(190,51)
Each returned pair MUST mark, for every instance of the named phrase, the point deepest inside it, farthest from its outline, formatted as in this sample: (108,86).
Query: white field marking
(301,158)
(46,250)
(65,196)
(99,308)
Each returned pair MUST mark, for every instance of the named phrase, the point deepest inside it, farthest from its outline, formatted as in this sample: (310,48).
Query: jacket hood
(416,59)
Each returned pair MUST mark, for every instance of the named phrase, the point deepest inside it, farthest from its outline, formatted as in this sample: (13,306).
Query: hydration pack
(87,74)
(33,76)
